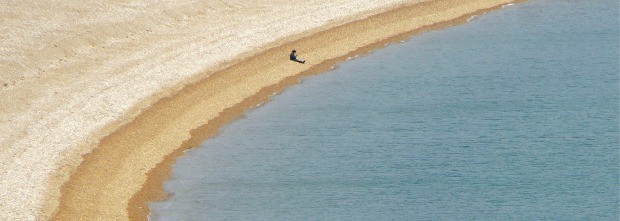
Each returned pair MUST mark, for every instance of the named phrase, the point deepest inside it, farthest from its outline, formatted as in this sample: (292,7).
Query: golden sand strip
(73,71)
(128,166)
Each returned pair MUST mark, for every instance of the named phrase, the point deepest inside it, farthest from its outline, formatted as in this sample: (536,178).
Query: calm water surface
(513,116)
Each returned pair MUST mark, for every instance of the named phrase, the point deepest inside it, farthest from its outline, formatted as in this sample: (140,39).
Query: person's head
(294,51)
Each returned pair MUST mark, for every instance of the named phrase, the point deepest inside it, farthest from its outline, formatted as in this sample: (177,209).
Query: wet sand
(130,107)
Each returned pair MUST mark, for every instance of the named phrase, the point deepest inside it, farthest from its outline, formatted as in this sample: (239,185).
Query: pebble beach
(96,94)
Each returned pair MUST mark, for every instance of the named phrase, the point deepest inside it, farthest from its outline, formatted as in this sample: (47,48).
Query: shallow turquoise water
(513,116)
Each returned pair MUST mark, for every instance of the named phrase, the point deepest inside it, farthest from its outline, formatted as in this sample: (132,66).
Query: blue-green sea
(511,116)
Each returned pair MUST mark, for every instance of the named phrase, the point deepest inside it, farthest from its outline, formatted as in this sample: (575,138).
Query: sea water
(512,116)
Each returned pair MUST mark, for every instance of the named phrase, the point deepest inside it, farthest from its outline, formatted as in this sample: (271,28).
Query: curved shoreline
(75,71)
(115,174)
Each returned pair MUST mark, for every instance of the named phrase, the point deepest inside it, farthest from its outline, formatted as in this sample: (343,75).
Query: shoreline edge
(115,174)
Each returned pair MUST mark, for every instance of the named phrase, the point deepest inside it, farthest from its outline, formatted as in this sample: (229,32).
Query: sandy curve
(75,72)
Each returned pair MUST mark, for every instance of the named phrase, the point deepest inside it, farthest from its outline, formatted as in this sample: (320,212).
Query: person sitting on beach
(294,57)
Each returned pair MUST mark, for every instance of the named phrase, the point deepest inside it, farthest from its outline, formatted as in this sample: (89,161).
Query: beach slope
(99,93)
